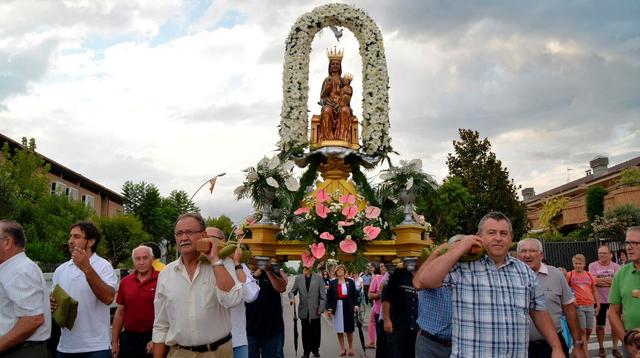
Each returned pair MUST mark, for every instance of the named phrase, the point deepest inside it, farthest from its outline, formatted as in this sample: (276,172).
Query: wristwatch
(238,267)
(578,343)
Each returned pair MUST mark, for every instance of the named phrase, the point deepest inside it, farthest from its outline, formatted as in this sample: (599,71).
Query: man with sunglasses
(624,296)
(193,298)
(89,279)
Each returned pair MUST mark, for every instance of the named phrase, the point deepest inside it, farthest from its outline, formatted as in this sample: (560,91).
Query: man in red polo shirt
(135,308)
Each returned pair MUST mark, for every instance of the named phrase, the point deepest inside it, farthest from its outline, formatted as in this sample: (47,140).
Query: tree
(143,200)
(487,181)
(595,202)
(222,222)
(120,234)
(24,194)
(444,209)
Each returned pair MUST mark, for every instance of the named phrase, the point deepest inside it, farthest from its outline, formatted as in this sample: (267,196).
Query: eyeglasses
(632,243)
(189,233)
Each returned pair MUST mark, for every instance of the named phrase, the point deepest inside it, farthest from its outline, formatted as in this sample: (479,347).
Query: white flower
(272,182)
(238,190)
(291,183)
(252,176)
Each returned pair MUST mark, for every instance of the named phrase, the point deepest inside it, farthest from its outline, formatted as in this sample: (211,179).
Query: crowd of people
(504,304)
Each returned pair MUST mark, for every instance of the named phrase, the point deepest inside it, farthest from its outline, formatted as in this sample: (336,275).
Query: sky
(174,92)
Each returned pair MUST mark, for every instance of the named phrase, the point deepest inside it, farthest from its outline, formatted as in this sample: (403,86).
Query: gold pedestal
(408,240)
(263,241)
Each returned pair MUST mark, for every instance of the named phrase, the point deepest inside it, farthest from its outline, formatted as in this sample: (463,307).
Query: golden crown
(335,54)
(348,77)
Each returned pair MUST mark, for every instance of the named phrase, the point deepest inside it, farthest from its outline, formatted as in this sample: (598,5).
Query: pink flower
(372,212)
(349,212)
(322,210)
(317,250)
(307,259)
(347,199)
(349,246)
(371,232)
(326,236)
(322,196)
(345,223)
(302,210)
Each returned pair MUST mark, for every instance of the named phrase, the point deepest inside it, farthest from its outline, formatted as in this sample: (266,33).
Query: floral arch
(294,121)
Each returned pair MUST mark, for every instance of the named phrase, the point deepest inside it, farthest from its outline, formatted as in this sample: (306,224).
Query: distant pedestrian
(135,311)
(341,307)
(366,281)
(25,316)
(309,287)
(400,311)
(622,257)
(603,270)
(584,287)
(624,296)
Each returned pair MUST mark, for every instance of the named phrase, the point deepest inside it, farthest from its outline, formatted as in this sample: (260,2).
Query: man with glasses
(89,279)
(558,298)
(25,317)
(604,270)
(624,296)
(193,298)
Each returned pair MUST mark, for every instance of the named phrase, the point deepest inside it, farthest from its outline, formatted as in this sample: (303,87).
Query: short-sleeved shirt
(264,315)
(137,299)
(625,284)
(23,292)
(402,297)
(491,307)
(92,329)
(556,293)
(435,312)
(366,279)
(599,270)
(582,284)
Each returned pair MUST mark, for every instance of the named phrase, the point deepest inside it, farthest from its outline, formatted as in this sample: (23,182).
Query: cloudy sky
(173,92)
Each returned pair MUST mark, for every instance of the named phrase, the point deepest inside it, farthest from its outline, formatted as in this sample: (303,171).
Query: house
(76,186)
(574,213)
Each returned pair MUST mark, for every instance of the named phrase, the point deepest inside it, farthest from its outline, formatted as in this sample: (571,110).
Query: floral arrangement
(262,181)
(331,223)
(407,177)
(375,79)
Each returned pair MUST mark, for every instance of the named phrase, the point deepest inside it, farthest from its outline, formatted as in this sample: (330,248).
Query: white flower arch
(294,121)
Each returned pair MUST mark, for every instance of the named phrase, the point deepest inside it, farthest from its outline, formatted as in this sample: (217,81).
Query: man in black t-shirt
(265,325)
(400,311)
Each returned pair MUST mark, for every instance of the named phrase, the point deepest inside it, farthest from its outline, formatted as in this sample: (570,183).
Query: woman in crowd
(622,257)
(341,305)
(584,287)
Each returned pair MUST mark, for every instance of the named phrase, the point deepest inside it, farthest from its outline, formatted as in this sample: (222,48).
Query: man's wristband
(578,343)
(238,267)
(218,263)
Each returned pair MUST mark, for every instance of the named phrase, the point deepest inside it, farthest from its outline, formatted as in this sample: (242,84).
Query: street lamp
(211,181)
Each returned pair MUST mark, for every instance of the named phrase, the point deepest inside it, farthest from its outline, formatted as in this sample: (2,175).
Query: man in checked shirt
(493,297)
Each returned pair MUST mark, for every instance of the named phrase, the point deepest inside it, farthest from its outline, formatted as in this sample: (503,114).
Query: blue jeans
(97,354)
(426,348)
(266,346)
(241,351)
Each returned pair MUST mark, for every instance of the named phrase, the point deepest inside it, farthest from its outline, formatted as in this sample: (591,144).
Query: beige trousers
(224,351)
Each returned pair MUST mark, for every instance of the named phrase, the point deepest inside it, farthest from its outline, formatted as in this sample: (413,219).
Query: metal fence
(559,253)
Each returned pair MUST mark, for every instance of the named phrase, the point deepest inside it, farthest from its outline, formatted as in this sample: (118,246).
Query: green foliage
(630,176)
(550,210)
(487,181)
(615,222)
(222,222)
(595,202)
(444,208)
(143,200)
(120,234)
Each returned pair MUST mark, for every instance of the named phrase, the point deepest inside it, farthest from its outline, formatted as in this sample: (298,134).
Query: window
(73,193)
(89,200)
(58,188)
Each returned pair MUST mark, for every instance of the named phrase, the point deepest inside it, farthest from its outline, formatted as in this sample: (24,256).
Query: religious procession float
(332,212)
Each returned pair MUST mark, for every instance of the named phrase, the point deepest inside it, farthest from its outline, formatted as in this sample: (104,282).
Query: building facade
(64,181)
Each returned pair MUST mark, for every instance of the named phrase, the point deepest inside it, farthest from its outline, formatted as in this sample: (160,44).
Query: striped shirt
(491,307)
(434,312)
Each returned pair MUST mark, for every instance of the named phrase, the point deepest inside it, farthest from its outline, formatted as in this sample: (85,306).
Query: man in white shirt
(193,298)
(90,280)
(25,319)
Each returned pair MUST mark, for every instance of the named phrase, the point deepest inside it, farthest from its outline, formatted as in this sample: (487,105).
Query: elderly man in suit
(310,288)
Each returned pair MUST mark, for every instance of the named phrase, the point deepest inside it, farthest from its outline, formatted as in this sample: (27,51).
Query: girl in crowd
(622,257)
(584,287)
(341,305)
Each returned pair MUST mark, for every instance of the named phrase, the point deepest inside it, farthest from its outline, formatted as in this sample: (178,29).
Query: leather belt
(434,338)
(210,347)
